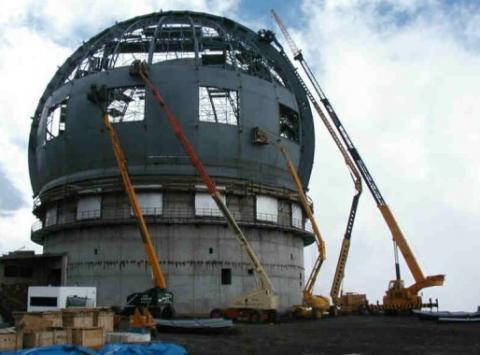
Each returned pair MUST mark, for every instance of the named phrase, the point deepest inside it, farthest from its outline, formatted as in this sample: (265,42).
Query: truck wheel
(362,310)
(298,313)
(168,312)
(333,311)
(156,312)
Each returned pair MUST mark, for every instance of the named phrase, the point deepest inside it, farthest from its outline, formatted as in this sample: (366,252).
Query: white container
(50,298)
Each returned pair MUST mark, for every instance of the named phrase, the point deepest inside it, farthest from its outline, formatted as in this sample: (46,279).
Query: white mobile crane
(397,297)
(261,304)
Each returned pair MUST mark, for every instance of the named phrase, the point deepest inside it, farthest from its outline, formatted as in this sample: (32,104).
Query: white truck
(49,298)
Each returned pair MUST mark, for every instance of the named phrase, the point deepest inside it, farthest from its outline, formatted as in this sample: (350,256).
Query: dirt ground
(342,335)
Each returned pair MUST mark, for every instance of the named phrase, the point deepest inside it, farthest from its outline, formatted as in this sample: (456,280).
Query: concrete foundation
(192,258)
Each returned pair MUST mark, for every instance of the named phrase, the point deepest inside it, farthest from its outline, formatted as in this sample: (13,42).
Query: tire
(333,311)
(168,312)
(298,313)
(216,313)
(156,312)
(362,310)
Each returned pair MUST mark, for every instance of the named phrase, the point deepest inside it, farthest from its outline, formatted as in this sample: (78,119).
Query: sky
(402,76)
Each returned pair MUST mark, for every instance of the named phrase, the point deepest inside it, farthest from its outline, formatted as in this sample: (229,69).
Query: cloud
(403,77)
(68,23)
(36,38)
(27,63)
(11,199)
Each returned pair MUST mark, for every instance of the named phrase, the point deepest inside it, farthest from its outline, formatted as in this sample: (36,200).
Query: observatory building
(223,81)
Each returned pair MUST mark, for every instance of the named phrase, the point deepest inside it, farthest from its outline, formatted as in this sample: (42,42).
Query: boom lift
(351,302)
(313,305)
(261,304)
(397,297)
(158,300)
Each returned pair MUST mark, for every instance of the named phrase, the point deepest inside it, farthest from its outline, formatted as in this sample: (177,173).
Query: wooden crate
(40,338)
(78,318)
(104,318)
(37,338)
(37,320)
(60,336)
(92,337)
(10,340)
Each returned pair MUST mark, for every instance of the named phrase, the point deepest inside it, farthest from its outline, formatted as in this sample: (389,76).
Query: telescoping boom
(355,175)
(314,305)
(158,300)
(262,303)
(397,297)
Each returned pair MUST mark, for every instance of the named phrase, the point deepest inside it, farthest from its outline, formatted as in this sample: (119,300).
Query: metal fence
(163,215)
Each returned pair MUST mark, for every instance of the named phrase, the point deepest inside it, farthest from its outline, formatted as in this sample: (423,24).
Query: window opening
(206,206)
(126,104)
(289,123)
(18,271)
(51,216)
(43,301)
(89,207)
(151,203)
(297,216)
(218,105)
(226,276)
(267,209)
(210,250)
(56,120)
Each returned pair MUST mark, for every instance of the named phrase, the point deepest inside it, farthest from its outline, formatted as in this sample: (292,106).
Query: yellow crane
(158,300)
(313,305)
(350,302)
(261,304)
(397,297)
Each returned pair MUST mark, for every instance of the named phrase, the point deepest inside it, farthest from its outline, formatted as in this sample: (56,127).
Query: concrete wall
(34,271)
(107,251)
(113,260)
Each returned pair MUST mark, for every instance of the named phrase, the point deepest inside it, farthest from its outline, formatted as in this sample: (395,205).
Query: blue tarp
(143,349)
(55,350)
(111,349)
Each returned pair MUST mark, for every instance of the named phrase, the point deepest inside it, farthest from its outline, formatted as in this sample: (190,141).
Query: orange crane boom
(355,175)
(262,303)
(158,299)
(409,298)
(158,277)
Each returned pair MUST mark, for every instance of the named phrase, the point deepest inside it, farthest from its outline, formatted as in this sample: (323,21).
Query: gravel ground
(342,335)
